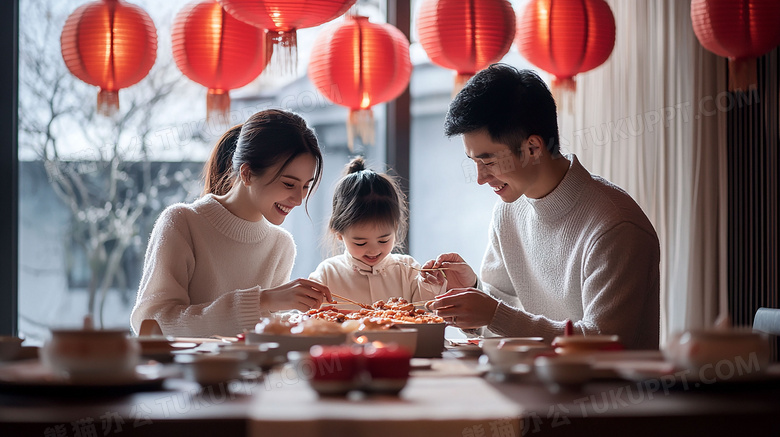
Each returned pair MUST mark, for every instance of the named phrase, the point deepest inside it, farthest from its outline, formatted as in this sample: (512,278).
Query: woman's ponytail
(218,171)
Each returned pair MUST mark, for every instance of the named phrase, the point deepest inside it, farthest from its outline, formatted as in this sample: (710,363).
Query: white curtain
(647,121)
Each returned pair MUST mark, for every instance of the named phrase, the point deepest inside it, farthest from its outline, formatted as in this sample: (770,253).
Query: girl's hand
(458,273)
(299,294)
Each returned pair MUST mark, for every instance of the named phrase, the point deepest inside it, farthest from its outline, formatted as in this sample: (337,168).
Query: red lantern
(110,44)
(566,37)
(281,18)
(466,36)
(740,30)
(359,64)
(216,50)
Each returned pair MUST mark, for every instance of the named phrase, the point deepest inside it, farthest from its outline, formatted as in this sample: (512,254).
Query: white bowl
(563,371)
(91,354)
(405,338)
(262,355)
(10,347)
(506,353)
(215,369)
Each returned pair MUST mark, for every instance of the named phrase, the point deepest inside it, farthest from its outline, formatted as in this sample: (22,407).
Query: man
(564,244)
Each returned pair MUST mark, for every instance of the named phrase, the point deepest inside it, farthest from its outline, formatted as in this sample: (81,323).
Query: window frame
(9,166)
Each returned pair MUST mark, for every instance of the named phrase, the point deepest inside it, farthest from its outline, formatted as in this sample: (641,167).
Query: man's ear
(245,173)
(535,146)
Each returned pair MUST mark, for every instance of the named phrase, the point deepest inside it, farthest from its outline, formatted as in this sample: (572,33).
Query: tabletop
(450,396)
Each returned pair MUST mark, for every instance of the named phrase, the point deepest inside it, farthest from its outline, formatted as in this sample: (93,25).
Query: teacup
(736,353)
(85,354)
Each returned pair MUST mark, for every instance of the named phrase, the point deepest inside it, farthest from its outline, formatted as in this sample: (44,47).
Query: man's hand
(458,273)
(466,308)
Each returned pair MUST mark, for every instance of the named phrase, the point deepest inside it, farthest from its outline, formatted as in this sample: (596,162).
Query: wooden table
(451,399)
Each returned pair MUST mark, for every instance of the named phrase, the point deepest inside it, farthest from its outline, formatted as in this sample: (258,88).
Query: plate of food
(400,313)
(331,325)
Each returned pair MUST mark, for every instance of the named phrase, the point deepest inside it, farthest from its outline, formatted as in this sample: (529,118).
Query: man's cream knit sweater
(584,252)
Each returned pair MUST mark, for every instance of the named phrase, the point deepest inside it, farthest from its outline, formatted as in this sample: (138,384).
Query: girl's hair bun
(357,164)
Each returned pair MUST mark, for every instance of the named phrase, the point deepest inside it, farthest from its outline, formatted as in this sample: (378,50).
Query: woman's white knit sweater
(584,252)
(205,267)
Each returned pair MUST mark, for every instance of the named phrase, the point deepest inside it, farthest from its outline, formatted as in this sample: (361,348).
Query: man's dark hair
(510,104)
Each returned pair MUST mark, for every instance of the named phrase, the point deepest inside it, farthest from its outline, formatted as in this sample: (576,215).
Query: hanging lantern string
(282,50)
(361,124)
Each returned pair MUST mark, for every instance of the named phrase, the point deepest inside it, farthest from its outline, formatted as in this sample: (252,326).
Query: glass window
(91,187)
(449,211)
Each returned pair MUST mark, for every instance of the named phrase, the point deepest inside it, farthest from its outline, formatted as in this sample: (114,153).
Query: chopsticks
(420,269)
(361,305)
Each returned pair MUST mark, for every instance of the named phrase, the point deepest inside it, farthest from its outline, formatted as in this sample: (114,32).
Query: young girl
(216,265)
(369,218)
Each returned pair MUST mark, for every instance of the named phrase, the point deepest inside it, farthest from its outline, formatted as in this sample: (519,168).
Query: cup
(719,353)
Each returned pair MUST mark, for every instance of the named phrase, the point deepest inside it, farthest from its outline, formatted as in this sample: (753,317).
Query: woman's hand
(458,273)
(466,308)
(299,294)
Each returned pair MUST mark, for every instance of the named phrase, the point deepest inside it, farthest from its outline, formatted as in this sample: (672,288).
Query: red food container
(335,369)
(387,367)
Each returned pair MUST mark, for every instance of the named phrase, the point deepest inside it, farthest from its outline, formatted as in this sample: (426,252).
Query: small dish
(213,369)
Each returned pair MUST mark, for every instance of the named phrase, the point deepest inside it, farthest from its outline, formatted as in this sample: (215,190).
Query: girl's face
(369,243)
(274,197)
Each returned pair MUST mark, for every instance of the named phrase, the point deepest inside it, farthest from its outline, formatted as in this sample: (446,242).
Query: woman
(216,265)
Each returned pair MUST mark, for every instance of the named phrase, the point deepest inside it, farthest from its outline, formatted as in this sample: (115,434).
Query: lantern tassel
(360,123)
(217,106)
(742,74)
(460,82)
(563,90)
(282,52)
(108,102)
